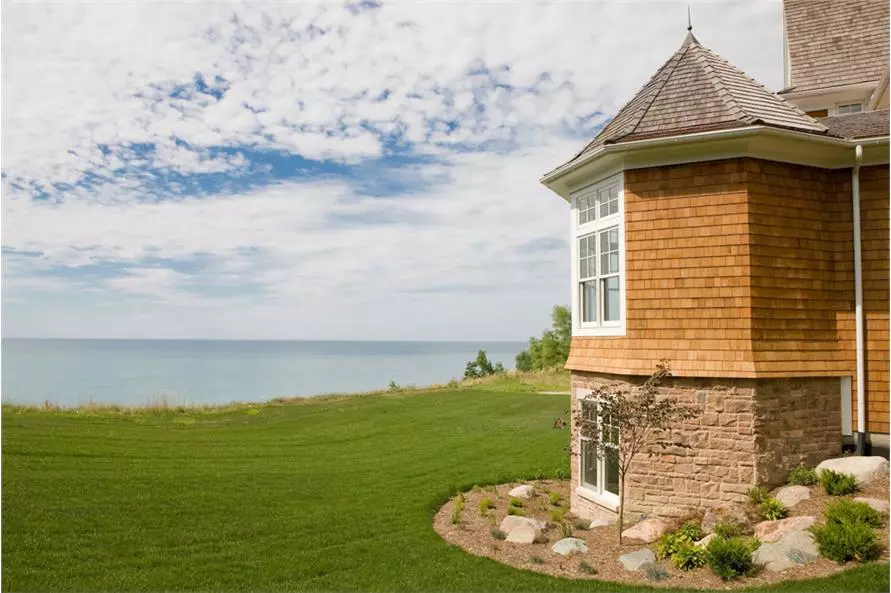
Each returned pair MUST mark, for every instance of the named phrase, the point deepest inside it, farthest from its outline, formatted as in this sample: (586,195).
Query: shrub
(555,498)
(516,511)
(536,560)
(837,483)
(849,540)
(459,507)
(498,534)
(516,502)
(772,509)
(758,494)
(558,515)
(481,367)
(552,349)
(688,556)
(849,511)
(726,529)
(393,386)
(485,505)
(803,476)
(655,572)
(670,543)
(730,558)
(566,528)
(581,525)
(586,568)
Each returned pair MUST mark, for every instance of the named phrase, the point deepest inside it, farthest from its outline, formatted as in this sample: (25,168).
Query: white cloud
(280,261)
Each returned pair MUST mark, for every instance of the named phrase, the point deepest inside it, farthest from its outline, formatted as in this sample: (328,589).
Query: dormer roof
(697,91)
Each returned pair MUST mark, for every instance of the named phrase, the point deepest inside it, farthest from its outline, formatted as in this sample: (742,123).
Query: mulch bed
(474,534)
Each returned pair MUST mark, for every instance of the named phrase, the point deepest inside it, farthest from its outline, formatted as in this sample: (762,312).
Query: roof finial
(689,20)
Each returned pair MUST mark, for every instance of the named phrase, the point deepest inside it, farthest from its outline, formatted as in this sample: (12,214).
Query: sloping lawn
(330,494)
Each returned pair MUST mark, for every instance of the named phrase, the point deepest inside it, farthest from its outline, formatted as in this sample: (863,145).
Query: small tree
(552,349)
(631,420)
(481,367)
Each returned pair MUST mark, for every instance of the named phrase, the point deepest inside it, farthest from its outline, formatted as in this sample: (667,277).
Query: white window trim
(848,104)
(615,328)
(600,495)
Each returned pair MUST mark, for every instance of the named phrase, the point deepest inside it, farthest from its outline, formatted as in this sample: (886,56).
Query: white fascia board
(761,142)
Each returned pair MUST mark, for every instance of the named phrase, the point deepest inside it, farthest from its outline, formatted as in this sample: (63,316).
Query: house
(742,235)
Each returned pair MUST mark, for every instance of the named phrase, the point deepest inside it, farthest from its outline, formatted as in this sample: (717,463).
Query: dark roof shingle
(835,42)
(696,91)
(869,124)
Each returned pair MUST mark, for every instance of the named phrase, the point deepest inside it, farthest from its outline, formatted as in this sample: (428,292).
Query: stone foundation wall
(749,432)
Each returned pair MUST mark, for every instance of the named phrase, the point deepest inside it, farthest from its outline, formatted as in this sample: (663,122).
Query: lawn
(321,495)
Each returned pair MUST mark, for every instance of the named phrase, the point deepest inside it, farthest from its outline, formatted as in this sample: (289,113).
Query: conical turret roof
(697,91)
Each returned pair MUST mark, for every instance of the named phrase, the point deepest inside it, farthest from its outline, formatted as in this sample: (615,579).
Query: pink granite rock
(772,531)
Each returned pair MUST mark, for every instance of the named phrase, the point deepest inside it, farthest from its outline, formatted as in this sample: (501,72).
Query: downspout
(860,443)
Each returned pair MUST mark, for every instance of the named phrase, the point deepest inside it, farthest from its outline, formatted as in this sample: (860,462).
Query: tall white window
(599,259)
(599,475)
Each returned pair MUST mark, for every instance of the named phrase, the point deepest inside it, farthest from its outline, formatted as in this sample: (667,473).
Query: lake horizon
(71,372)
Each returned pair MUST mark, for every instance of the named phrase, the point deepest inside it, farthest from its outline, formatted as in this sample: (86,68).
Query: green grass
(332,494)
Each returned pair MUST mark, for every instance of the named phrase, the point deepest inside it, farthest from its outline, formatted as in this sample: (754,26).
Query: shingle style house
(743,235)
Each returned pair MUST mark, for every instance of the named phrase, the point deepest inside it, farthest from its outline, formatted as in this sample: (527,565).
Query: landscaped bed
(475,529)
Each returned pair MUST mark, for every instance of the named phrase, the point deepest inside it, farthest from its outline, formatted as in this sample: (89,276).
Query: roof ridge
(724,93)
(627,103)
(779,98)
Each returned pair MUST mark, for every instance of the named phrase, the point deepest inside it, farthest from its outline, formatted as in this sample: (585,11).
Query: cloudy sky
(314,170)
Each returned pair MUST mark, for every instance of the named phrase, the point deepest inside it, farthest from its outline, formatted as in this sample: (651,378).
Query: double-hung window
(848,108)
(598,259)
(599,475)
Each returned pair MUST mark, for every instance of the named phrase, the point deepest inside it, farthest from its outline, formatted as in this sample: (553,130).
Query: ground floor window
(599,466)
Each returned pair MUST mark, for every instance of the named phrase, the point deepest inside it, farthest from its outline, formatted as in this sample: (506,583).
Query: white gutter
(700,136)
(858,304)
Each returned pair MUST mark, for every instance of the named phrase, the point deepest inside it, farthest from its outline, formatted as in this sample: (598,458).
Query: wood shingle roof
(835,43)
(697,91)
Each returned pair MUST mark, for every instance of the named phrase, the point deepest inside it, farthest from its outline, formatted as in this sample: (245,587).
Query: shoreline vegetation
(519,381)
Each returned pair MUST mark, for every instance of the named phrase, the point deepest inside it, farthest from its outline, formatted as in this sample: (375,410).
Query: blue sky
(355,170)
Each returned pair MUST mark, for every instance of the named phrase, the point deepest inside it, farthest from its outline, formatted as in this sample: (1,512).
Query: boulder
(569,546)
(648,530)
(635,560)
(876,503)
(792,495)
(522,491)
(524,534)
(771,531)
(865,469)
(706,540)
(794,549)
(511,521)
(735,515)
(602,523)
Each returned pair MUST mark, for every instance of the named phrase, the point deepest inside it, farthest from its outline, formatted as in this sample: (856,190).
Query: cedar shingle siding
(744,268)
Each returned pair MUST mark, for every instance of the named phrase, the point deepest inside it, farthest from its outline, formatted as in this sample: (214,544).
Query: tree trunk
(621,505)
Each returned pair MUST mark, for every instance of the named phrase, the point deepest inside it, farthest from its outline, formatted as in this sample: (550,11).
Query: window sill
(608,330)
(611,503)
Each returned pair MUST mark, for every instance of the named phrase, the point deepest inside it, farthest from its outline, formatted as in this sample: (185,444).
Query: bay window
(599,259)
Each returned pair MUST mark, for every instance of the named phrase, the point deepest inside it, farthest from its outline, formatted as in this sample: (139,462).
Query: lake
(136,372)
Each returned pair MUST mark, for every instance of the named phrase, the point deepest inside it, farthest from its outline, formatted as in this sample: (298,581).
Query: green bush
(758,494)
(803,476)
(498,534)
(849,511)
(688,556)
(670,543)
(555,498)
(558,515)
(485,505)
(516,511)
(586,568)
(481,367)
(552,349)
(731,558)
(516,502)
(837,483)
(772,509)
(846,541)
(726,529)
